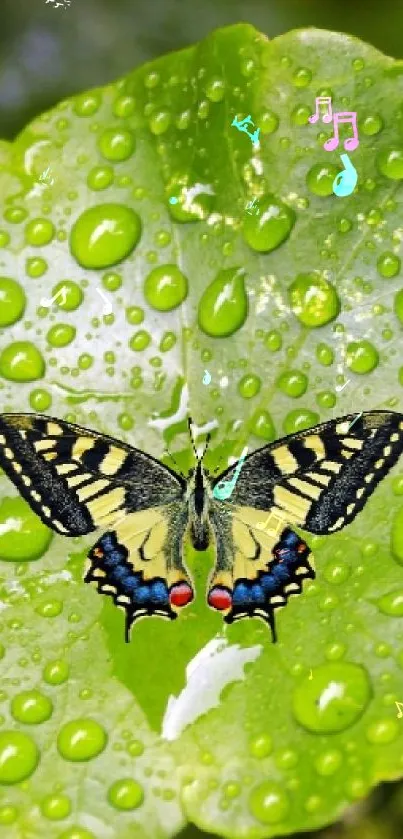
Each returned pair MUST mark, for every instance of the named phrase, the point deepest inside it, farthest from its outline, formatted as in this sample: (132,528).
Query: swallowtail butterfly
(78,480)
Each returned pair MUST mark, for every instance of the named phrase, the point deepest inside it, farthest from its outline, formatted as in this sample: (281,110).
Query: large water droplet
(334,699)
(223,307)
(165,288)
(126,794)
(390,163)
(23,536)
(313,299)
(12,301)
(31,707)
(104,235)
(81,739)
(19,757)
(21,362)
(392,604)
(271,227)
(362,356)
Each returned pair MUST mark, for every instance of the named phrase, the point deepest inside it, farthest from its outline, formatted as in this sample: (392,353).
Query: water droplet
(24,537)
(50,608)
(56,807)
(328,762)
(165,288)
(382,732)
(337,572)
(56,672)
(140,340)
(100,177)
(81,739)
(302,77)
(390,163)
(293,383)
(269,803)
(8,814)
(320,178)
(12,301)
(299,419)
(388,265)
(61,334)
(104,235)
(19,757)
(372,124)
(313,299)
(223,307)
(249,386)
(215,90)
(21,361)
(325,354)
(116,144)
(334,699)
(362,357)
(193,203)
(269,229)
(261,746)
(87,104)
(159,122)
(273,341)
(126,794)
(261,425)
(39,231)
(31,707)
(391,604)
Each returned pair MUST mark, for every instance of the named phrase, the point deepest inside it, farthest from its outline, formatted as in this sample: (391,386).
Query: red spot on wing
(180,594)
(219,598)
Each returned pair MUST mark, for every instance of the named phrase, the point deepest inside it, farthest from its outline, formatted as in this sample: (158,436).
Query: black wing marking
(76,479)
(322,477)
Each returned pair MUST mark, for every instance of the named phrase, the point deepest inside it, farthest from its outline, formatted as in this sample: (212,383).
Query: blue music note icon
(346,180)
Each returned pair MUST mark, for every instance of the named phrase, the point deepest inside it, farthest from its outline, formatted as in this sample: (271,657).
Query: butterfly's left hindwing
(140,564)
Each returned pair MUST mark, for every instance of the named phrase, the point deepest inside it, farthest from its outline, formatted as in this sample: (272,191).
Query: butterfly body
(78,481)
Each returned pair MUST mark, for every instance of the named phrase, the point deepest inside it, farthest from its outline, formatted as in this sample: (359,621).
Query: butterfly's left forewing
(77,480)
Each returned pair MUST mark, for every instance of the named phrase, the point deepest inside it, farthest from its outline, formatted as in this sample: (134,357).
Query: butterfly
(78,480)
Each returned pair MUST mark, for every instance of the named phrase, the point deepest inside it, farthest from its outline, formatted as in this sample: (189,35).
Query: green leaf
(194,722)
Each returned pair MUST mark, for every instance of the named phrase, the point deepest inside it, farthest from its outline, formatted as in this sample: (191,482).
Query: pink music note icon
(322,100)
(352,142)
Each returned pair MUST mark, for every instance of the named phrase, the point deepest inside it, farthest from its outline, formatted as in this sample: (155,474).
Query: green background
(49,53)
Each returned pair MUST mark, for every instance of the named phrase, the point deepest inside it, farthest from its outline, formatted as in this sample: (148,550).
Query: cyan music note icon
(345,181)
(352,142)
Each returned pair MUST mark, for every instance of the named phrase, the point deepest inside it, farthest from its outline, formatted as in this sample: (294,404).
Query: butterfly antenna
(191,437)
(208,437)
(179,470)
